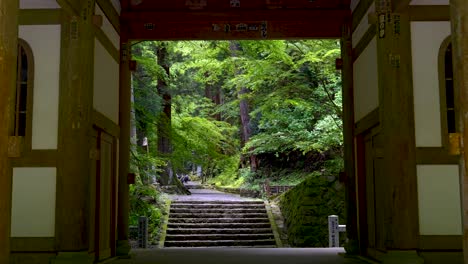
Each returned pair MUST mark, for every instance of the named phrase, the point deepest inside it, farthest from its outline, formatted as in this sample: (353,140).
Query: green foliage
(294,95)
(146,200)
(229,176)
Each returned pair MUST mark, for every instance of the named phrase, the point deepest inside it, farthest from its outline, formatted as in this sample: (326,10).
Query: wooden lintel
(32,244)
(429,13)
(316,15)
(140,5)
(399,5)
(435,156)
(206,31)
(40,16)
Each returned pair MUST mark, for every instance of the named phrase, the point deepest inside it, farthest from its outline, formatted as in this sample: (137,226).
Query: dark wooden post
(123,247)
(459,14)
(76,105)
(397,123)
(348,134)
(8,54)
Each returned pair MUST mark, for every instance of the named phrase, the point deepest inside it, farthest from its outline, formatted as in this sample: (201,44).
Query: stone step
(218,225)
(216,206)
(218,215)
(220,243)
(217,210)
(219,220)
(218,202)
(211,237)
(240,230)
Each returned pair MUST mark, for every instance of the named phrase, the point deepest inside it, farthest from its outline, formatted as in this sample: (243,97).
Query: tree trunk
(214,94)
(164,120)
(244,112)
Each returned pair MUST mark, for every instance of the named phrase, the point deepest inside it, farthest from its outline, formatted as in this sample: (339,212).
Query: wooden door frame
(97,202)
(362,197)
(362,192)
(113,193)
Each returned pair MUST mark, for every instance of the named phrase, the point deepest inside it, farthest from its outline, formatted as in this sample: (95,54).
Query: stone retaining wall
(306,209)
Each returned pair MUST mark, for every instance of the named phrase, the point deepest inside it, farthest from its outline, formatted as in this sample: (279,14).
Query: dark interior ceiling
(233,19)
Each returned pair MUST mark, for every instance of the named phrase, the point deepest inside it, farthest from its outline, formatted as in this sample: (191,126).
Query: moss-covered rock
(306,209)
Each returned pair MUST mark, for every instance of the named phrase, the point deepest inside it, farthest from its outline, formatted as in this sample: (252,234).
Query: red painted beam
(317,15)
(207,31)
(225,4)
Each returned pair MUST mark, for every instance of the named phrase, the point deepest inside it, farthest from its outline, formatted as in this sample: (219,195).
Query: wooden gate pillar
(348,135)
(123,247)
(8,54)
(459,16)
(75,123)
(397,124)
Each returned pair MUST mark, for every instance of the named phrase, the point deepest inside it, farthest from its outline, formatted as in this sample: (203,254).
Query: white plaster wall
(45,44)
(106,83)
(108,29)
(38,4)
(363,26)
(439,200)
(430,2)
(33,202)
(366,82)
(426,38)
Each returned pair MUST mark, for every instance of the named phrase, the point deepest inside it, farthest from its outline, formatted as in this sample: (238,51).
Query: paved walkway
(234,255)
(239,255)
(207,195)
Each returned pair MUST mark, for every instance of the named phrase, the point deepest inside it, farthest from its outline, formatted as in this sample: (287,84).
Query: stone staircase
(219,224)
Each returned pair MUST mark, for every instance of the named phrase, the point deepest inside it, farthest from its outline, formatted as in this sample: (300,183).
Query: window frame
(27,138)
(443,97)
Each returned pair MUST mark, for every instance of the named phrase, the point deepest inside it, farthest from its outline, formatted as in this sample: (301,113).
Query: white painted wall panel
(439,200)
(366,82)
(108,29)
(33,202)
(106,83)
(45,43)
(363,26)
(39,4)
(430,2)
(426,38)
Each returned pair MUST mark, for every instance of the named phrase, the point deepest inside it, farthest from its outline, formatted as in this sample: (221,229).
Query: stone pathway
(202,194)
(239,255)
(231,255)
(209,218)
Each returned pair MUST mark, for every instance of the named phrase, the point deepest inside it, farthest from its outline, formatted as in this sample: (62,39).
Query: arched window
(448,105)
(24,87)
